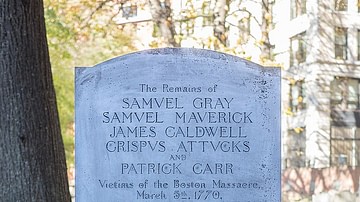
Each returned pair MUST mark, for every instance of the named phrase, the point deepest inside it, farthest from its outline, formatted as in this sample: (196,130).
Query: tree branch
(97,8)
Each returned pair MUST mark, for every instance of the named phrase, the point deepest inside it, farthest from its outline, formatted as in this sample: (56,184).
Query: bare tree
(220,13)
(161,13)
(32,158)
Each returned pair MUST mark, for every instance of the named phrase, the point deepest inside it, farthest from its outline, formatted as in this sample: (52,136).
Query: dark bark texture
(32,160)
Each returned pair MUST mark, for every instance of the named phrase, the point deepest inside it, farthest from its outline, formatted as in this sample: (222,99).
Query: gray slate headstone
(177,125)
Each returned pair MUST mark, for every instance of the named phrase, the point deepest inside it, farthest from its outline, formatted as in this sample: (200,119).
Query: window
(298,7)
(187,27)
(345,146)
(187,23)
(358,43)
(340,43)
(129,11)
(341,5)
(206,12)
(297,96)
(244,30)
(345,93)
(163,4)
(297,49)
(296,145)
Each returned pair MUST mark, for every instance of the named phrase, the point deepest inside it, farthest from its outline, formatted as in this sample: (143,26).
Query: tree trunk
(265,46)
(32,162)
(161,14)
(221,9)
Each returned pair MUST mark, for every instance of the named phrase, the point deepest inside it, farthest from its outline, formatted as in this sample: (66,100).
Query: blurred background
(316,43)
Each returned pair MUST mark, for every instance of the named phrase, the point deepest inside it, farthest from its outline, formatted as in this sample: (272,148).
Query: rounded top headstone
(177,124)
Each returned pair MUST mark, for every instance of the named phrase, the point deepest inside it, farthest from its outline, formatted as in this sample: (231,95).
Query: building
(319,45)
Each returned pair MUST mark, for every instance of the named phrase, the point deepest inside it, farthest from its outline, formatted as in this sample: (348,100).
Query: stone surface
(177,125)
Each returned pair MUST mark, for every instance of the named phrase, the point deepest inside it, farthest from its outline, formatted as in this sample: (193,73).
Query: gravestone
(177,125)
